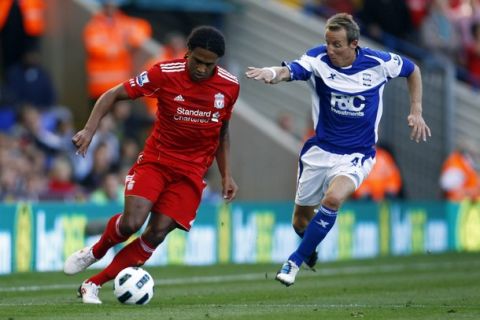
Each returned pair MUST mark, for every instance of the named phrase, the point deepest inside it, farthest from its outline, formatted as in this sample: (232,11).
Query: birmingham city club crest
(219,101)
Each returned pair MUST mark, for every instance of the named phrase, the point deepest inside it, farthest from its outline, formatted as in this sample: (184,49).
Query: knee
(332,201)
(128,225)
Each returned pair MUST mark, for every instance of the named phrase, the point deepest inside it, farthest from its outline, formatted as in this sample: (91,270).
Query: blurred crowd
(449,29)
(38,162)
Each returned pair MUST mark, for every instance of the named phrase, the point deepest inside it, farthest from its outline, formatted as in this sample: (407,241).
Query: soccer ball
(133,285)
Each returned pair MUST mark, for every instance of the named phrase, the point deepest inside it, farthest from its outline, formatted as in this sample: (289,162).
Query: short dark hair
(344,21)
(208,38)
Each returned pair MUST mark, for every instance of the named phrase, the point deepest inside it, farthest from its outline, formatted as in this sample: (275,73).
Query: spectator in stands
(102,164)
(105,135)
(14,167)
(175,47)
(31,130)
(111,190)
(61,122)
(439,33)
(9,185)
(473,56)
(121,120)
(418,11)
(384,181)
(129,151)
(459,178)
(22,170)
(110,38)
(22,23)
(27,82)
(468,17)
(326,8)
(385,18)
(35,186)
(60,184)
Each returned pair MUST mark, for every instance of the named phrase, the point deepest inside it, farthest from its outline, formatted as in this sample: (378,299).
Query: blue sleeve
(297,72)
(407,67)
(302,69)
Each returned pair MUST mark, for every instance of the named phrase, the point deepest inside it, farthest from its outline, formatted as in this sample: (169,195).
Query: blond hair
(344,21)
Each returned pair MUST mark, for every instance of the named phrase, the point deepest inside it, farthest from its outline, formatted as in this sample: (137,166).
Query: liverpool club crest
(219,101)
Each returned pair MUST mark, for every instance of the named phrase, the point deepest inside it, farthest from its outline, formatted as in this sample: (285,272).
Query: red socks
(110,237)
(133,255)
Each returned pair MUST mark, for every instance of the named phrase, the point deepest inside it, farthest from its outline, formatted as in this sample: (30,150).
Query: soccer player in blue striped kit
(347,83)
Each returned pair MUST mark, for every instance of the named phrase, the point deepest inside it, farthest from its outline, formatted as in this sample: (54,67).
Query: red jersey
(189,114)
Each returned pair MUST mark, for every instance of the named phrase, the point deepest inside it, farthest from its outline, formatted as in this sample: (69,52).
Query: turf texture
(445,286)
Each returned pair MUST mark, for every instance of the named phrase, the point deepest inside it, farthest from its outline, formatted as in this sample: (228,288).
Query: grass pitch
(436,287)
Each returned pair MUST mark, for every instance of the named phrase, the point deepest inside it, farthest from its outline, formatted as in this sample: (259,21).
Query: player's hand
(81,140)
(420,130)
(263,74)
(230,189)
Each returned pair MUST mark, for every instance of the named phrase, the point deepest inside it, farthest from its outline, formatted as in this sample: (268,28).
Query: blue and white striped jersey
(347,102)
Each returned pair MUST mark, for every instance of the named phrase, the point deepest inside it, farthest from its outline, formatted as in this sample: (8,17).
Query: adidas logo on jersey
(179,98)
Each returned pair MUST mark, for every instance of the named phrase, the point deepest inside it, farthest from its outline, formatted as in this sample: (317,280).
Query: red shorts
(172,192)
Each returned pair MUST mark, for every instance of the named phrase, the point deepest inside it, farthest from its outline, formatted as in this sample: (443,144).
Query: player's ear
(354,43)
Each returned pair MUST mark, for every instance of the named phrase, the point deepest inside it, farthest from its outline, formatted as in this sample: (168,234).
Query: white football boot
(287,274)
(79,261)
(88,291)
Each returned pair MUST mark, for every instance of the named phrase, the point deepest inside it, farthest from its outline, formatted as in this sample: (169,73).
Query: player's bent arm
(420,130)
(104,104)
(414,81)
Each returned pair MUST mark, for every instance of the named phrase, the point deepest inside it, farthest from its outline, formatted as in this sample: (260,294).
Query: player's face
(340,52)
(201,63)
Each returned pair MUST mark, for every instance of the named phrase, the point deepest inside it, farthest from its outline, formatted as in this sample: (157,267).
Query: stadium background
(38,236)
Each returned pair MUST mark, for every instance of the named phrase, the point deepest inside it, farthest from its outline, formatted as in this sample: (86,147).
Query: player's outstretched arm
(420,129)
(81,140)
(271,75)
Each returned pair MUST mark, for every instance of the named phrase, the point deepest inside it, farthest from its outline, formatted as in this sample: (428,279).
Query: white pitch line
(276,306)
(262,276)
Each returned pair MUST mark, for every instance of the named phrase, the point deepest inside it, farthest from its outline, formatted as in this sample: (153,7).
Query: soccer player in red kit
(195,101)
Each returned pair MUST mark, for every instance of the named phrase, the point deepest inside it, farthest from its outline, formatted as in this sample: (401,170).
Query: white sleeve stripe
(173,64)
(173,70)
(226,73)
(228,78)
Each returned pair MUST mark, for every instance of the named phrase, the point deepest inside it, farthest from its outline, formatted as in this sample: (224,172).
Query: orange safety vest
(108,42)
(471,184)
(384,178)
(33,13)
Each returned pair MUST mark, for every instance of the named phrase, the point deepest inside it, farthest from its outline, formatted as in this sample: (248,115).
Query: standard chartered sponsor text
(190,115)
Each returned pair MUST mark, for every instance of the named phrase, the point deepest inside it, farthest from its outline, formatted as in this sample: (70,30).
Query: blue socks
(316,230)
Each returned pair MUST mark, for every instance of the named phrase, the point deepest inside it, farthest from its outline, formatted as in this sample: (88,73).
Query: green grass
(443,286)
